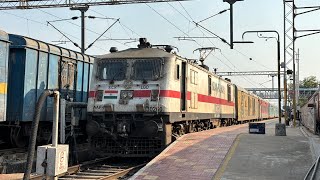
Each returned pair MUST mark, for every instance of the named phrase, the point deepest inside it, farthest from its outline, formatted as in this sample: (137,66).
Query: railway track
(12,151)
(101,169)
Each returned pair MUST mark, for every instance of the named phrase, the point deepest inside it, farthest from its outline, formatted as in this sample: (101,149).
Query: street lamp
(278,60)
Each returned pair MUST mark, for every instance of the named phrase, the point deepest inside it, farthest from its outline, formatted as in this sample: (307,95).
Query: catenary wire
(132,31)
(245,78)
(80,26)
(38,22)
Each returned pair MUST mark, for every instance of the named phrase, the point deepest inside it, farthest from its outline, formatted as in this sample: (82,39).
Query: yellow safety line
(228,157)
(3,88)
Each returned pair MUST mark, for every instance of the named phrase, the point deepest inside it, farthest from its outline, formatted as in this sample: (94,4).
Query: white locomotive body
(142,97)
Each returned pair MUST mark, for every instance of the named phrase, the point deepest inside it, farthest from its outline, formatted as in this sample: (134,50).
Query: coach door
(183,87)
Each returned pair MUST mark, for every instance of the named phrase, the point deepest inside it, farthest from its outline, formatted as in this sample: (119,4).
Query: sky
(161,22)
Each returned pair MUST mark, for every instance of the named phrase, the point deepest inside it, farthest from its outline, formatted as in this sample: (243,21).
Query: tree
(309,82)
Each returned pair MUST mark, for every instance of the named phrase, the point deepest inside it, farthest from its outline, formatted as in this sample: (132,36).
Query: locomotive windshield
(112,70)
(146,70)
(141,69)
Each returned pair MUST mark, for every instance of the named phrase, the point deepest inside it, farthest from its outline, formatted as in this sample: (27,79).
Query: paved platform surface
(268,157)
(232,153)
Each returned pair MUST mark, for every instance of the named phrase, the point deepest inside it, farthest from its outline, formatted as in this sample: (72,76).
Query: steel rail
(72,169)
(105,173)
(122,173)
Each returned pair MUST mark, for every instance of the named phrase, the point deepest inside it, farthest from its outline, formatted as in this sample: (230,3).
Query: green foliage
(302,102)
(309,82)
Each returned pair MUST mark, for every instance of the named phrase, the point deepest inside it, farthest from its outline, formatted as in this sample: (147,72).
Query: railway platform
(231,153)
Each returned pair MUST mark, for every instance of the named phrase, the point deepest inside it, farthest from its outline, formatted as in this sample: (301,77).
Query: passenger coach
(32,67)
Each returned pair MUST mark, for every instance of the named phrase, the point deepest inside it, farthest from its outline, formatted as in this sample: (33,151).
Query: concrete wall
(308,117)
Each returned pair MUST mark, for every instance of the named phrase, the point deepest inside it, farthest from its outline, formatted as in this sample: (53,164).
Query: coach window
(178,71)
(193,76)
(229,93)
(209,85)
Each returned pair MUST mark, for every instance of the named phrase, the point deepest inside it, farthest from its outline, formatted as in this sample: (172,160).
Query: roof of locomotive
(138,53)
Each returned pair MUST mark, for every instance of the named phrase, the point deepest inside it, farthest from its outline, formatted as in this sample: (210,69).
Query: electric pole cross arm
(34,4)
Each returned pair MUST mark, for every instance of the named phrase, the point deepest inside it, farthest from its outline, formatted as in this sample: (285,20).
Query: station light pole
(278,60)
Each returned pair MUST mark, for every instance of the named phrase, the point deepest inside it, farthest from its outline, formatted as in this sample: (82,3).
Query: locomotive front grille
(142,147)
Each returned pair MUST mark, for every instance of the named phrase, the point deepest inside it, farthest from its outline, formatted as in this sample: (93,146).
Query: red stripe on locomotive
(177,94)
(111,91)
(214,100)
(92,94)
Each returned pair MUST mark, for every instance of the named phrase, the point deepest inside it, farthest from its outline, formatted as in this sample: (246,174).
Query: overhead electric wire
(44,24)
(125,31)
(79,26)
(214,44)
(252,59)
(75,44)
(169,21)
(213,15)
(119,23)
(102,34)
(246,79)
(6,12)
(208,39)
(34,21)
(184,32)
(214,33)
(186,11)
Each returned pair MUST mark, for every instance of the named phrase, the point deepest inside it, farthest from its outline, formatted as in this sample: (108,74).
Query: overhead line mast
(34,4)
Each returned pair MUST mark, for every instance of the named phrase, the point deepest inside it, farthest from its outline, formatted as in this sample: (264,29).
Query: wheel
(191,128)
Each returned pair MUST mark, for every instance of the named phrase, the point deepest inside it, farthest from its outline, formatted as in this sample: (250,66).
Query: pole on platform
(279,86)
(278,62)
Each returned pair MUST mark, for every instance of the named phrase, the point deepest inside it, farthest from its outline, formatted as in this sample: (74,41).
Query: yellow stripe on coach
(3,88)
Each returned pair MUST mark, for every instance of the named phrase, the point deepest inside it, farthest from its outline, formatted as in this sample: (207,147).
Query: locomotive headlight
(130,94)
(125,94)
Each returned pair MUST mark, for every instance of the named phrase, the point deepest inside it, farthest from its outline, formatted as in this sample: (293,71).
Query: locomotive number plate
(144,86)
(112,87)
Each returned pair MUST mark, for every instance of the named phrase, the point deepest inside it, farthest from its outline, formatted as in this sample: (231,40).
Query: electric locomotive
(140,99)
